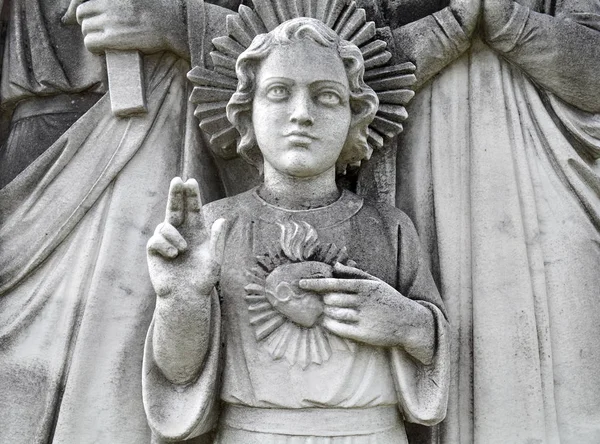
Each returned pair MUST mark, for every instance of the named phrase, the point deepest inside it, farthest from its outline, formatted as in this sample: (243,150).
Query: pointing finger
(344,271)
(175,203)
(331,285)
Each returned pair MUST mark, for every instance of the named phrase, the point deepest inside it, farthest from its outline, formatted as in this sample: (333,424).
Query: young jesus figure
(307,315)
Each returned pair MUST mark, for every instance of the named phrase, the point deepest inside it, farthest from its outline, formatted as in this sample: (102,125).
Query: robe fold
(501,179)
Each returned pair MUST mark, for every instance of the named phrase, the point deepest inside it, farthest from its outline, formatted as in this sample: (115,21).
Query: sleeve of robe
(561,53)
(422,387)
(431,43)
(179,412)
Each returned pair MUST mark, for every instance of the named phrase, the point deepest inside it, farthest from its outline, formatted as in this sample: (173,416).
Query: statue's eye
(277,92)
(329,98)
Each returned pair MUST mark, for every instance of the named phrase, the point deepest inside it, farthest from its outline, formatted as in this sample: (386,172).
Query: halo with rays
(214,88)
(281,337)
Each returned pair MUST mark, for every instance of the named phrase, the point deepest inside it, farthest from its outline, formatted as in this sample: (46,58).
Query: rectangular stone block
(126,83)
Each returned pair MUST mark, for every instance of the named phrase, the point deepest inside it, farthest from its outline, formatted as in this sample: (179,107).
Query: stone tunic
(44,57)
(382,241)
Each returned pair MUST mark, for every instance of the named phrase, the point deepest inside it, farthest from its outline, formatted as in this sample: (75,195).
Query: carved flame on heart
(281,333)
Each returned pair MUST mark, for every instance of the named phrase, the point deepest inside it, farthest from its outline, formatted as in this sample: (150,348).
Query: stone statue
(80,193)
(498,169)
(308,314)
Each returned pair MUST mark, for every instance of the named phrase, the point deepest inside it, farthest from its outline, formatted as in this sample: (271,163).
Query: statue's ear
(283,292)
(357,148)
(362,115)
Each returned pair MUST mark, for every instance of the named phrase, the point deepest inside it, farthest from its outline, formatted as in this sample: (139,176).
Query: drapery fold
(55,192)
(514,230)
(76,299)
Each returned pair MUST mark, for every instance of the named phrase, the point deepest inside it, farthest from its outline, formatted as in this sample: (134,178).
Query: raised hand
(181,255)
(361,307)
(145,25)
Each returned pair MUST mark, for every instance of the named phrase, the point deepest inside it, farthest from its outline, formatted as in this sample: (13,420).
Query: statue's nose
(302,112)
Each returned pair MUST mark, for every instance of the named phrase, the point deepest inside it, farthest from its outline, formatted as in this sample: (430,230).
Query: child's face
(301,110)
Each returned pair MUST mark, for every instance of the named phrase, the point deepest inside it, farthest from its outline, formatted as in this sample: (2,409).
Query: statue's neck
(294,193)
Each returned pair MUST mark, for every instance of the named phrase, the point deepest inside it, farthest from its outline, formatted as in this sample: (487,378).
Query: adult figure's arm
(434,41)
(149,26)
(561,53)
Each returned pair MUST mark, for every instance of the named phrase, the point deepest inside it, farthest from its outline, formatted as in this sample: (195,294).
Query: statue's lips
(301,133)
(300,137)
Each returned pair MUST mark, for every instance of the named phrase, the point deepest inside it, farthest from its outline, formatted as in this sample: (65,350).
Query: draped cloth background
(75,298)
(509,206)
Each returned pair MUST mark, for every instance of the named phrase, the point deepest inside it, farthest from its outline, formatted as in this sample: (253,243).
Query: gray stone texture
(496,167)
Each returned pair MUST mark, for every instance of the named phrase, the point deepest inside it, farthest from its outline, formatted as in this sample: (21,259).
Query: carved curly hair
(363,100)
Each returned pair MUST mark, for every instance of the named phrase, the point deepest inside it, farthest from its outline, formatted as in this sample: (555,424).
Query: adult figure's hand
(148,26)
(467,13)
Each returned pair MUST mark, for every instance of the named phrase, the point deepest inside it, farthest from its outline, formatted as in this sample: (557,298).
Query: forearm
(558,54)
(181,336)
(431,43)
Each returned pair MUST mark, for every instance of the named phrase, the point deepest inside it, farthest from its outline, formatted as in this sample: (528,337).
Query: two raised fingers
(183,208)
(183,204)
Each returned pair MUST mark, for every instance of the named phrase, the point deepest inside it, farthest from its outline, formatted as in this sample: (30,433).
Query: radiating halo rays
(214,88)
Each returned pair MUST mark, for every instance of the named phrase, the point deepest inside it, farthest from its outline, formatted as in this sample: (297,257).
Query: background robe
(75,297)
(500,177)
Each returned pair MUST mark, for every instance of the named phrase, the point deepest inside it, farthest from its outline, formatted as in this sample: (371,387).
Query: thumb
(70,17)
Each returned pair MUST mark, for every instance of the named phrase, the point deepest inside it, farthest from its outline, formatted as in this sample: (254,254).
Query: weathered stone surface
(496,167)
